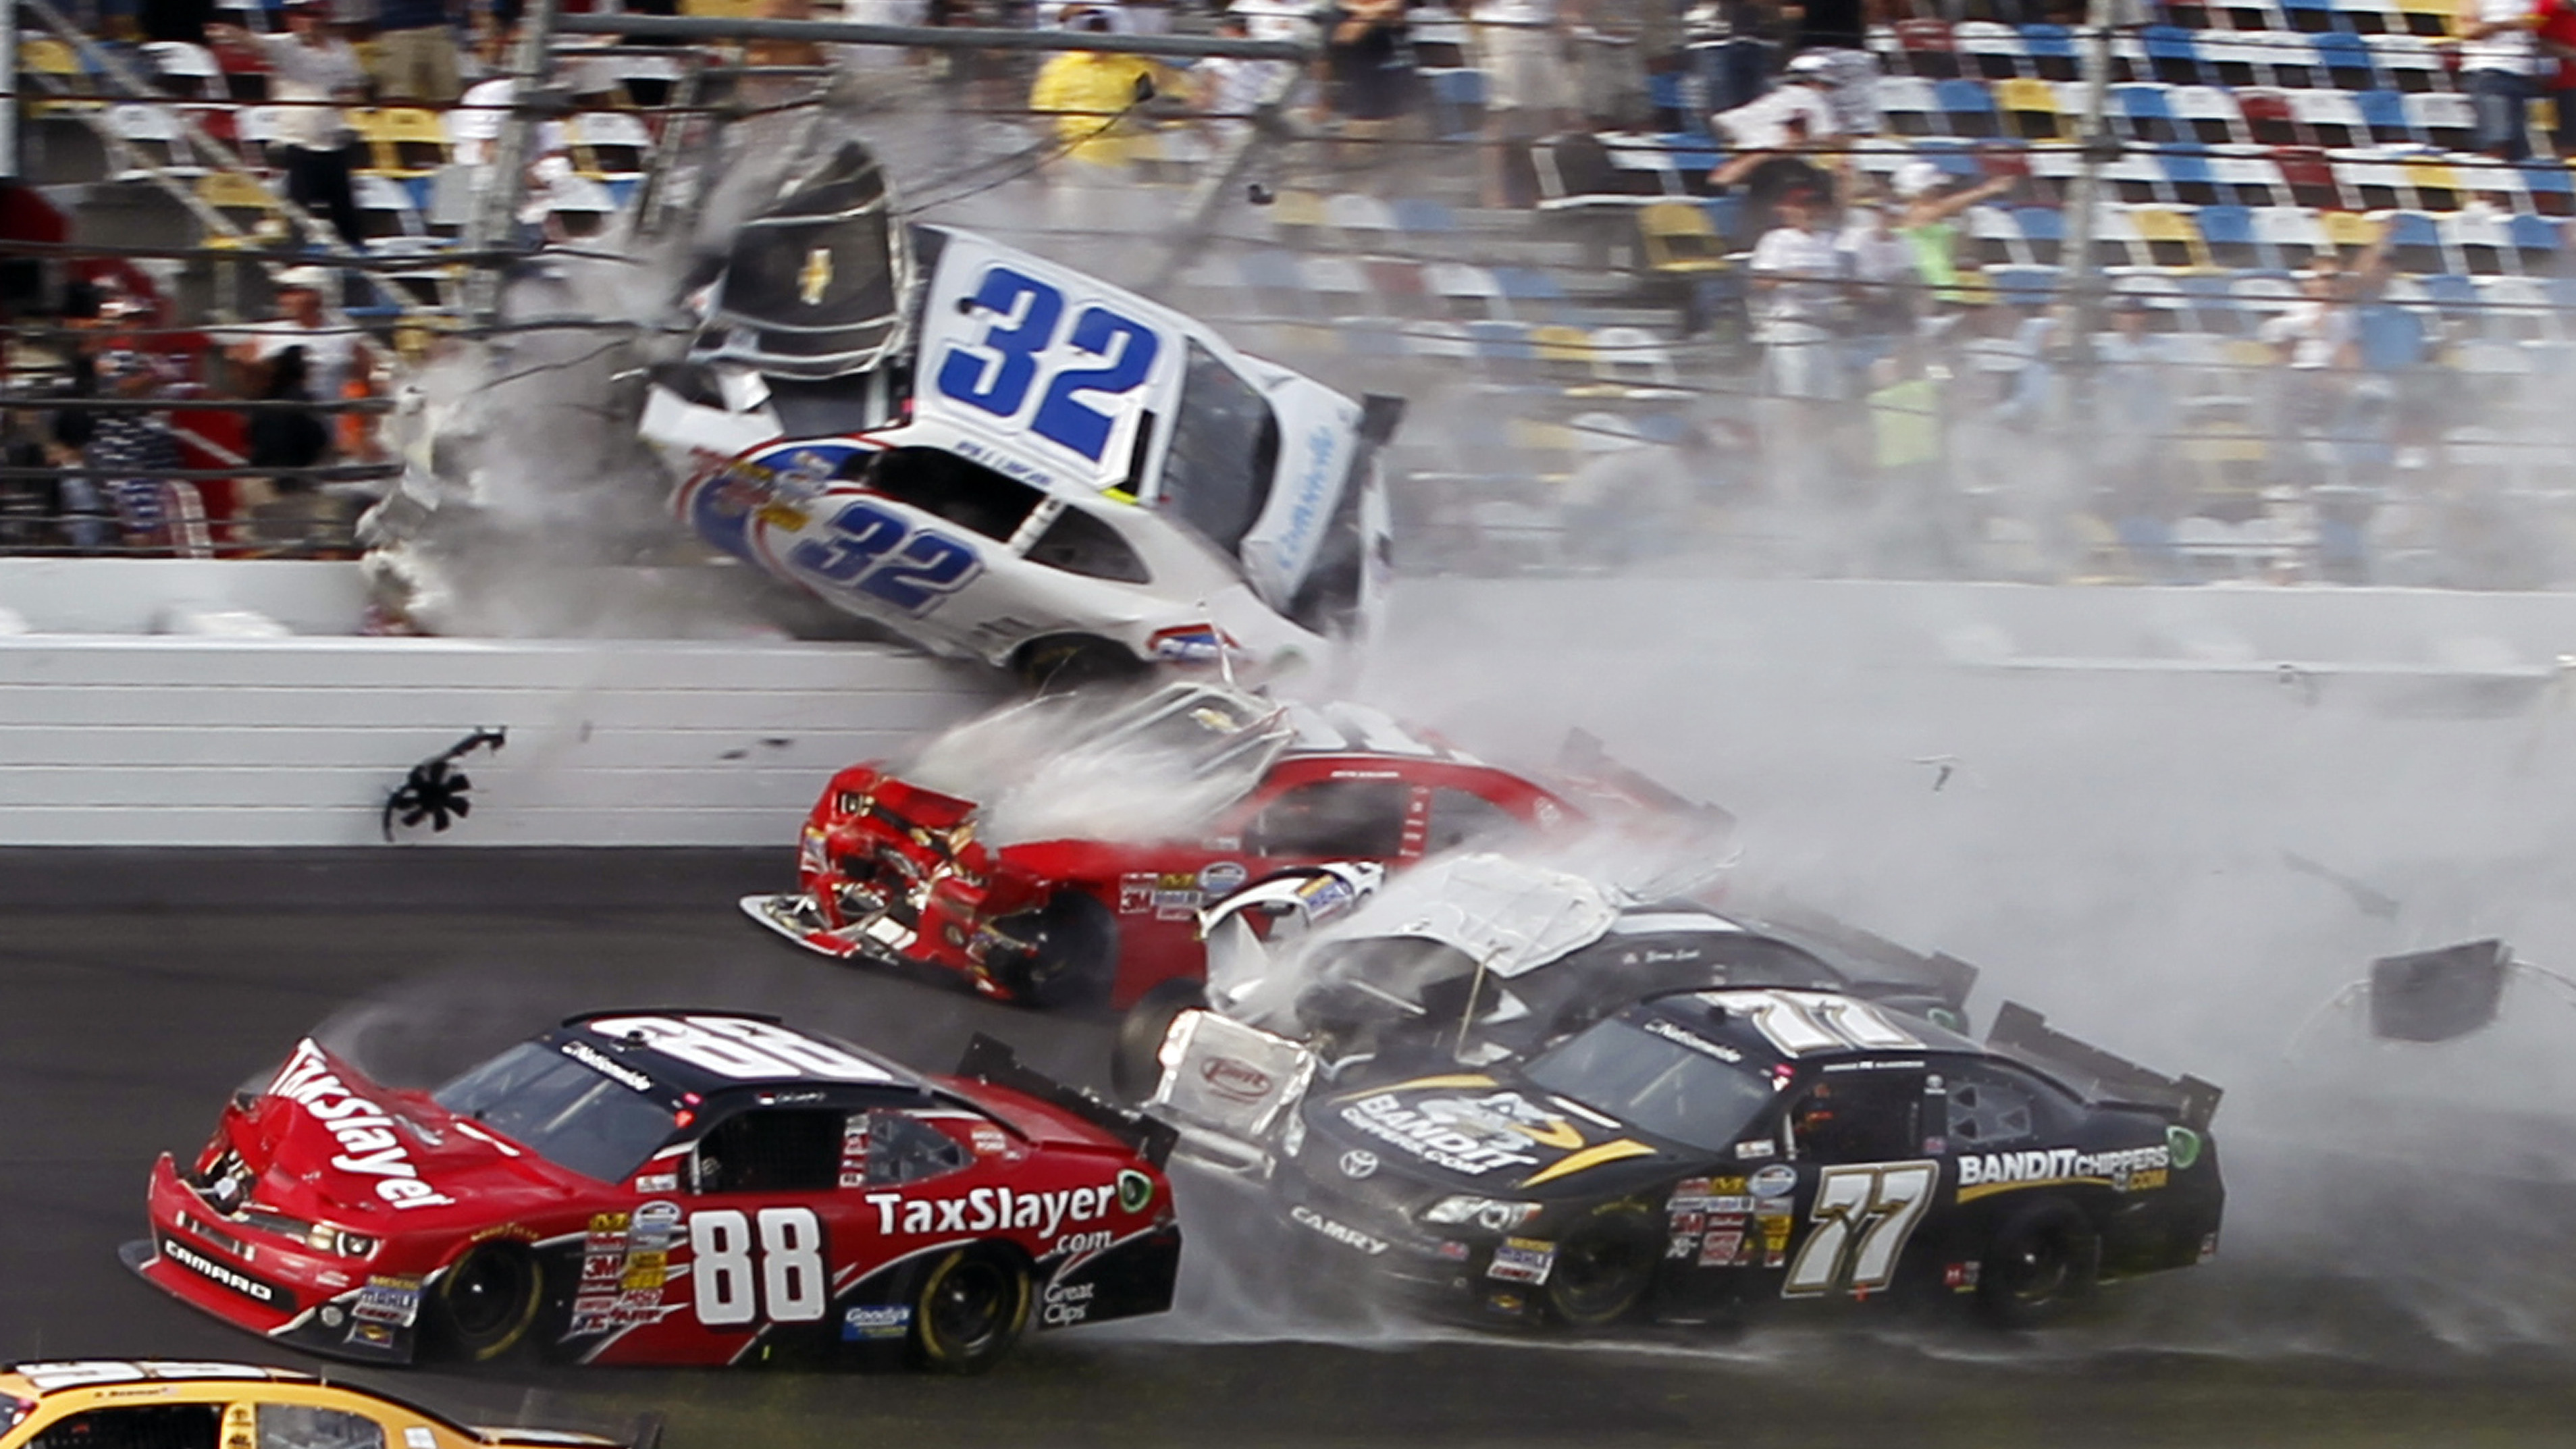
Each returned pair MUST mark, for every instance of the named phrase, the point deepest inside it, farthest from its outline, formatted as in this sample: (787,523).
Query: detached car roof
(691,1050)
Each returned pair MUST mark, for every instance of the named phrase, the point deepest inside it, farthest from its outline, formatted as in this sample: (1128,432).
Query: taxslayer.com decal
(369,1144)
(1002,1209)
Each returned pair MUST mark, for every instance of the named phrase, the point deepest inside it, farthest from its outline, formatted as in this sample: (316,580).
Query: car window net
(561,1110)
(1661,1086)
(775,1149)
(1225,449)
(309,1426)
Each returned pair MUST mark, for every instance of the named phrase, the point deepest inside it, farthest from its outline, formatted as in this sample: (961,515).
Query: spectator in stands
(2134,419)
(1608,66)
(1368,61)
(333,360)
(1933,203)
(1094,95)
(2497,54)
(415,53)
(1878,265)
(1796,279)
(1833,38)
(309,70)
(1517,44)
(28,505)
(1799,105)
(1761,176)
(128,453)
(1727,56)
(1909,523)
(1227,90)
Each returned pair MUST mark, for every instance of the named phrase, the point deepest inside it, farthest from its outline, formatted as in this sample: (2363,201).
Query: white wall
(172,741)
(135,595)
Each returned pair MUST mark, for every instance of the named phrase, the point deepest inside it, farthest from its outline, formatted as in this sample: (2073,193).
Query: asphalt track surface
(137,989)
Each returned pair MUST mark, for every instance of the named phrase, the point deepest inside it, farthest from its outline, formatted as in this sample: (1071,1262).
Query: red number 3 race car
(665,1187)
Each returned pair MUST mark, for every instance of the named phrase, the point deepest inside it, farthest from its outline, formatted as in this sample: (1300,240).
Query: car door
(1853,1181)
(762,1215)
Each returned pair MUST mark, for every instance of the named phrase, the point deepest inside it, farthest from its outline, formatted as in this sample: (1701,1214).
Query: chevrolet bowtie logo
(817,275)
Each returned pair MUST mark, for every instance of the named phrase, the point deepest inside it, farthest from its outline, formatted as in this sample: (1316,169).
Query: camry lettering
(989,1209)
(369,1146)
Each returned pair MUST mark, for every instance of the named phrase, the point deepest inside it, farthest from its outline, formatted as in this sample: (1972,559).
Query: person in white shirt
(2498,52)
(1520,48)
(1796,276)
(309,70)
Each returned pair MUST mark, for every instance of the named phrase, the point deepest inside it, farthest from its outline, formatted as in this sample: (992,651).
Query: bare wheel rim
(487,1294)
(972,1306)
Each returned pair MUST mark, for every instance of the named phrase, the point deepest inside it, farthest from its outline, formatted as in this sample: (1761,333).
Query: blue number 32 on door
(997,372)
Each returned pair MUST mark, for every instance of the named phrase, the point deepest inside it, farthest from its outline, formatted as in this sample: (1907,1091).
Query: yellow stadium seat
(2030,105)
(2172,240)
(1569,345)
(1679,237)
(2346,229)
(410,142)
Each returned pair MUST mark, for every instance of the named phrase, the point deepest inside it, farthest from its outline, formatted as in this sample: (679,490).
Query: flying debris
(435,790)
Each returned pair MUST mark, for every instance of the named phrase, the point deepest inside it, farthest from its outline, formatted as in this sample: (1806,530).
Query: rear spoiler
(1583,756)
(2022,1032)
(1944,975)
(992,1061)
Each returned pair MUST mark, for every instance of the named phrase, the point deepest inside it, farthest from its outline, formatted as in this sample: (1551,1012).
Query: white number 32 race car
(1002,458)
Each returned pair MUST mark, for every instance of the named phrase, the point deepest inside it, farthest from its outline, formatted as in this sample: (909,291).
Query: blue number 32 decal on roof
(869,551)
(996,373)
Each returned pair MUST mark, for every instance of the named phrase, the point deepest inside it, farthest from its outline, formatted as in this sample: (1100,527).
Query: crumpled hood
(324,1141)
(1481,1132)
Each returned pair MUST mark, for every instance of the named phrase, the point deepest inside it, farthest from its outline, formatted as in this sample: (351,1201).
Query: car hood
(322,1141)
(1478,1132)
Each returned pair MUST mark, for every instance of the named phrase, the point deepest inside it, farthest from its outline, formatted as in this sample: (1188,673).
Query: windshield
(561,1110)
(1660,1085)
(1225,447)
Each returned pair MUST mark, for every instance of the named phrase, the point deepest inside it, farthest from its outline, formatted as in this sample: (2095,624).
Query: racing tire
(1604,1266)
(2041,1263)
(1074,959)
(1136,1058)
(486,1303)
(971,1307)
(1062,663)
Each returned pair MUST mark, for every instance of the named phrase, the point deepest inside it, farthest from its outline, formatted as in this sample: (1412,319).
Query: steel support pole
(2095,147)
(496,206)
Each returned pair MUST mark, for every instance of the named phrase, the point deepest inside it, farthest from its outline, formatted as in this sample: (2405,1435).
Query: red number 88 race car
(667,1187)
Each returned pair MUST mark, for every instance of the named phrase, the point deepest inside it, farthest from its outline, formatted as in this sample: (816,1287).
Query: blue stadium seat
(2451,290)
(2229,231)
(1531,291)
(2536,237)
(1968,106)
(1726,213)
(2385,113)
(2044,228)
(2148,108)
(2049,42)
(2025,286)
(2416,243)
(1693,153)
(2188,166)
(2176,59)
(2342,52)
(1505,342)
(2552,190)
(1415,213)
(2309,15)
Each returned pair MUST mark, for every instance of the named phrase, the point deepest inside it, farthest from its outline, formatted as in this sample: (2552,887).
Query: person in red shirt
(2556,34)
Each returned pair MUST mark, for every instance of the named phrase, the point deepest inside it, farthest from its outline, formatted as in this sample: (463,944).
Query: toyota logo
(1358,1162)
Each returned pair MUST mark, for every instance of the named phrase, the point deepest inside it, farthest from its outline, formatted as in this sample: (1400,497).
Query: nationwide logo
(1348,1237)
(1992,1172)
(599,1061)
(1241,1081)
(366,1134)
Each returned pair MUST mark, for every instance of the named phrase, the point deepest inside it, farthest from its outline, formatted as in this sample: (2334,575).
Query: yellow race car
(147,1404)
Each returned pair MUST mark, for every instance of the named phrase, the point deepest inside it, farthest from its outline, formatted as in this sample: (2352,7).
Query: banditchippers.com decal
(369,1145)
(2127,1169)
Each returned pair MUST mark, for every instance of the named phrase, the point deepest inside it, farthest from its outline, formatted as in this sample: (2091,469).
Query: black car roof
(692,1049)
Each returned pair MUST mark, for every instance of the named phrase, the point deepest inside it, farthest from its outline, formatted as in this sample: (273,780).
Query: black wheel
(1064,662)
(1604,1265)
(1072,957)
(1135,1061)
(2042,1262)
(486,1302)
(969,1311)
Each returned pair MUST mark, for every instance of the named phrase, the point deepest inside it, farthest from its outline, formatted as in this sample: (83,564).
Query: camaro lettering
(368,1142)
(1385,1117)
(1996,1171)
(241,1283)
(991,1209)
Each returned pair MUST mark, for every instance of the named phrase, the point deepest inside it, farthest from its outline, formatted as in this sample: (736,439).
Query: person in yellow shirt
(1085,89)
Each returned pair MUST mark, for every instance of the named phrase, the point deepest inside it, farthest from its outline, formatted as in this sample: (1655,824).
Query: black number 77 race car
(668,1187)
(1701,1152)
